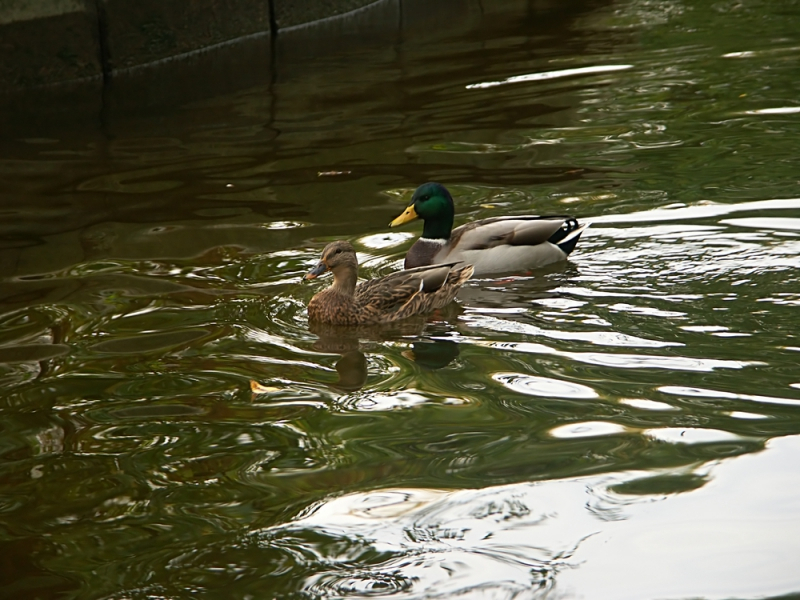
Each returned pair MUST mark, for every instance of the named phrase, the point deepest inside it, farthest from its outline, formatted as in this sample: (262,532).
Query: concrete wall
(45,41)
(293,13)
(137,32)
(54,41)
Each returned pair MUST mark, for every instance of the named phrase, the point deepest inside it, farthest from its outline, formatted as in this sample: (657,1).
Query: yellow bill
(409,214)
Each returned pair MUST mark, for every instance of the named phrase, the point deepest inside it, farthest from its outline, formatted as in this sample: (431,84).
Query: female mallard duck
(491,245)
(391,298)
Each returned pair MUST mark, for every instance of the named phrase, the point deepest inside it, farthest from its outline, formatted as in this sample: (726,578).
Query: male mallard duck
(491,245)
(391,298)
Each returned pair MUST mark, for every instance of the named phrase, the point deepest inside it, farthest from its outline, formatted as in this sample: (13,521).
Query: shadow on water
(352,367)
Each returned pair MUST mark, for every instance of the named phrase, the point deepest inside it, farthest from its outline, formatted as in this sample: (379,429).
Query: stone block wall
(48,41)
(145,31)
(293,13)
(56,41)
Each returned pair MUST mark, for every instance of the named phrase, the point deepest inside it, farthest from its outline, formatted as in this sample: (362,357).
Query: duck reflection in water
(432,354)
(352,371)
(352,367)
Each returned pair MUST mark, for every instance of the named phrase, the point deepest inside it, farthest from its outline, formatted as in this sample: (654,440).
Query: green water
(622,425)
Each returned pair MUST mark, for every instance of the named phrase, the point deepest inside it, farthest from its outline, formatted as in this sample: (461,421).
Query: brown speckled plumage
(392,298)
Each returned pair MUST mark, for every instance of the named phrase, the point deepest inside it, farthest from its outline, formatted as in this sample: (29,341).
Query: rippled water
(622,425)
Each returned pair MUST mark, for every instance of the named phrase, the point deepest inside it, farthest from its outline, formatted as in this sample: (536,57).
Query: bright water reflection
(557,537)
(173,427)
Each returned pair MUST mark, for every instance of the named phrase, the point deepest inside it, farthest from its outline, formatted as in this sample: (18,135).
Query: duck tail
(457,277)
(567,237)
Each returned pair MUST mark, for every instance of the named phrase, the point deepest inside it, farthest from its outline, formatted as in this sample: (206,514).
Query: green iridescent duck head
(433,204)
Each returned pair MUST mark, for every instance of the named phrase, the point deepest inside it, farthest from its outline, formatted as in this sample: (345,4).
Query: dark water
(622,425)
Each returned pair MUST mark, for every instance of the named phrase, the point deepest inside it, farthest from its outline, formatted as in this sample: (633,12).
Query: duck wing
(524,230)
(397,288)
(408,293)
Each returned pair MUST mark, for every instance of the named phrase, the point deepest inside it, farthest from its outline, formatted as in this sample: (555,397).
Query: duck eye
(425,198)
